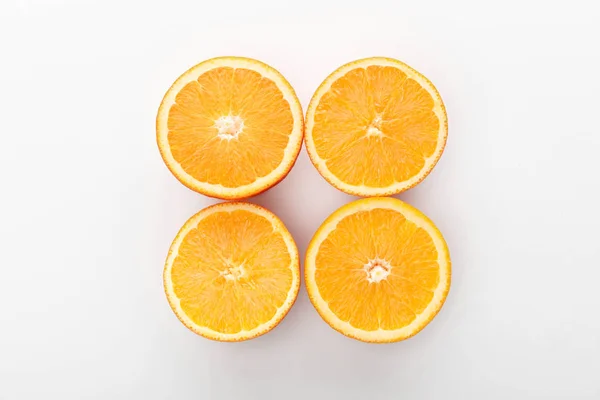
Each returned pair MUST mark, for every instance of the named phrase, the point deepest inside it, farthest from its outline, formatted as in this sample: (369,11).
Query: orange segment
(375,127)
(230,127)
(378,270)
(232,272)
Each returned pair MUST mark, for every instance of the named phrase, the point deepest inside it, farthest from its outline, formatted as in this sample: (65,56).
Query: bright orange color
(375,127)
(378,270)
(230,127)
(232,272)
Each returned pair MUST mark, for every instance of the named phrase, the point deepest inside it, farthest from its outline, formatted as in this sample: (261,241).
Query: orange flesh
(257,150)
(394,301)
(217,246)
(375,127)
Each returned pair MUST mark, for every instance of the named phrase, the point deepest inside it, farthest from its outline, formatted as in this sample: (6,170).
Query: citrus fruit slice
(375,127)
(377,270)
(230,127)
(232,272)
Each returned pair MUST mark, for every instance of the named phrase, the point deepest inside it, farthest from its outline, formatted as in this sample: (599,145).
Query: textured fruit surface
(230,127)
(232,272)
(375,127)
(378,270)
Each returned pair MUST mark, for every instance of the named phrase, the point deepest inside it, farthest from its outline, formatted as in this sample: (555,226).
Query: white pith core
(377,270)
(233,273)
(229,127)
(375,128)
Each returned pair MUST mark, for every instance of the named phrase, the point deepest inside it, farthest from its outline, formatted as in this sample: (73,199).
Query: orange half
(230,127)
(232,272)
(375,127)
(378,270)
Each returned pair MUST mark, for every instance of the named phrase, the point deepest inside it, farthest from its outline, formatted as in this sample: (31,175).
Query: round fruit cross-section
(230,127)
(378,270)
(232,272)
(375,127)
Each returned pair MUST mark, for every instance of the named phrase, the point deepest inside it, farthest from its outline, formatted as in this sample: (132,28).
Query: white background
(89,210)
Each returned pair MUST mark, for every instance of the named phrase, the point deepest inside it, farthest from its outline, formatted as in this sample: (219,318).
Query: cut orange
(230,127)
(375,127)
(378,270)
(232,272)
